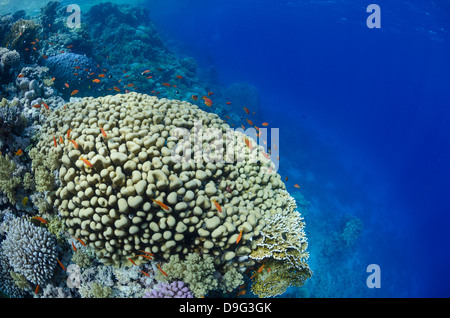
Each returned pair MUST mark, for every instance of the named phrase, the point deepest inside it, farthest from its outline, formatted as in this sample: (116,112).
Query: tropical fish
(239,236)
(297,186)
(165,207)
(46,106)
(19,152)
(103,132)
(60,264)
(87,162)
(242,292)
(61,141)
(261,268)
(149,77)
(96,80)
(101,75)
(146,274)
(265,124)
(145,256)
(36,290)
(208,102)
(286,179)
(210,93)
(45,56)
(74,143)
(132,261)
(68,133)
(70,46)
(74,92)
(74,248)
(24,201)
(53,79)
(162,272)
(130,85)
(249,122)
(20,75)
(148,253)
(145,72)
(179,76)
(194,97)
(228,103)
(76,67)
(166,84)
(116,89)
(54,141)
(80,240)
(246,110)
(266,155)
(39,219)
(248,143)
(217,205)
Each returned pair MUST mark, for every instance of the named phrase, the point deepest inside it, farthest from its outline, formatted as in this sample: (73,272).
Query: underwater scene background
(360,115)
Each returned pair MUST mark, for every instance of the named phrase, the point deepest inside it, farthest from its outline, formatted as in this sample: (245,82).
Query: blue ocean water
(364,123)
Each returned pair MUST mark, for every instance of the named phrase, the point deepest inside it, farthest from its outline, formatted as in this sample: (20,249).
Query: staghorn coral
(31,250)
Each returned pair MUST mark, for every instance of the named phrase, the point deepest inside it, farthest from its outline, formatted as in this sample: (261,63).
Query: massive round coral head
(161,176)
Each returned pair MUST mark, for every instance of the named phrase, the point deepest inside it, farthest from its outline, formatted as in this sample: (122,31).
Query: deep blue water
(363,117)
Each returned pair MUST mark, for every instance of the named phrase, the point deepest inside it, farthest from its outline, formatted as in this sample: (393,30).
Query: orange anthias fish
(103,132)
(249,122)
(19,152)
(61,141)
(116,89)
(208,102)
(74,143)
(146,274)
(68,133)
(101,75)
(265,124)
(261,268)
(39,219)
(242,293)
(297,186)
(165,207)
(45,56)
(80,240)
(239,236)
(145,72)
(179,76)
(248,143)
(96,80)
(162,272)
(74,92)
(166,84)
(87,162)
(217,205)
(74,248)
(60,264)
(228,103)
(46,106)
(54,141)
(132,261)
(66,85)
(246,110)
(194,97)
(36,290)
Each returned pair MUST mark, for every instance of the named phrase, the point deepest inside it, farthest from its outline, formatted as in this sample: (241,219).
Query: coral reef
(176,289)
(31,250)
(8,180)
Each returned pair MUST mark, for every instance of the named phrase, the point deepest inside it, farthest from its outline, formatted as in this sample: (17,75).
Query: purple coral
(176,289)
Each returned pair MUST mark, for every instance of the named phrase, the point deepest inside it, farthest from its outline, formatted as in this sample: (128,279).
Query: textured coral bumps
(123,188)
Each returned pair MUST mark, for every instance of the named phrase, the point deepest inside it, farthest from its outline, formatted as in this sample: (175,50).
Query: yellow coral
(283,242)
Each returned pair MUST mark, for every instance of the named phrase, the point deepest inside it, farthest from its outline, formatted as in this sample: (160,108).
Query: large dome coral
(131,181)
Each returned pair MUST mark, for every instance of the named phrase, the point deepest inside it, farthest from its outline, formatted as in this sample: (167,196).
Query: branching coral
(31,250)
(8,182)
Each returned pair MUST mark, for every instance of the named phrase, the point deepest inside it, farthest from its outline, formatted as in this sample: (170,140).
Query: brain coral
(135,194)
